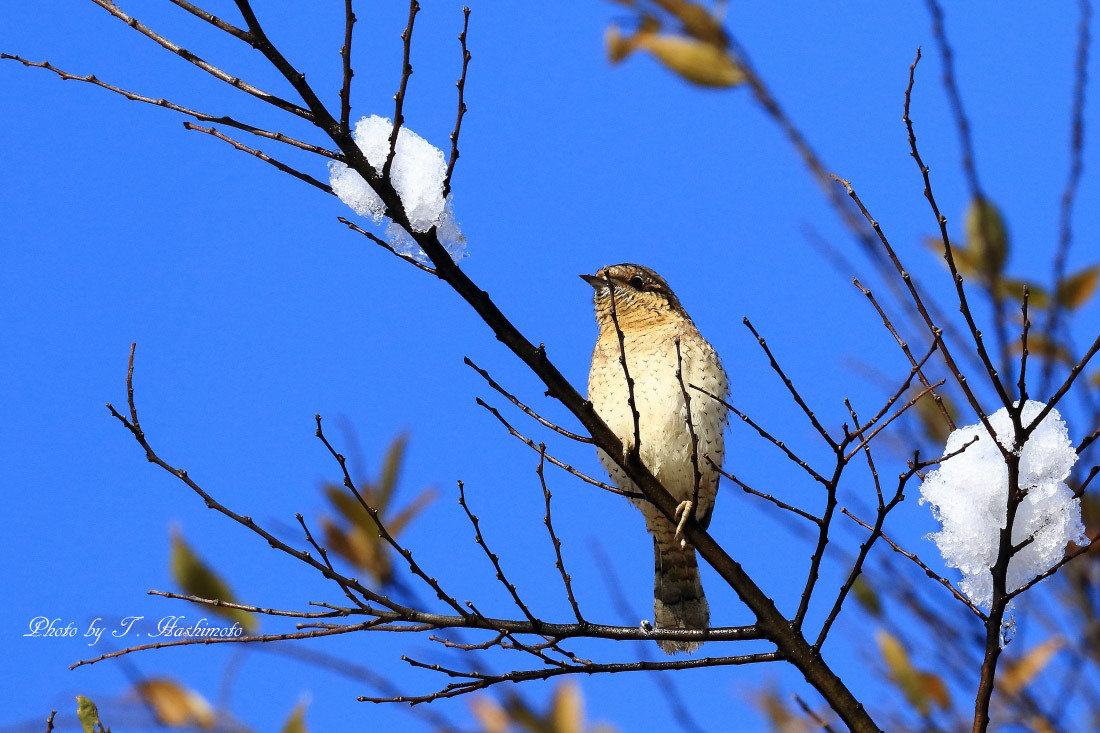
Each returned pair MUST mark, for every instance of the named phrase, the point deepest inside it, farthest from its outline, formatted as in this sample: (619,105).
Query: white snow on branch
(417,174)
(969,494)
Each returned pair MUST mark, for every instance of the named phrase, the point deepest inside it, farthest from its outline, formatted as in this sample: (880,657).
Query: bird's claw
(683,512)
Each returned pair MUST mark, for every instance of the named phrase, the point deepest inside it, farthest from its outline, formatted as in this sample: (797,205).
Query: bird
(635,304)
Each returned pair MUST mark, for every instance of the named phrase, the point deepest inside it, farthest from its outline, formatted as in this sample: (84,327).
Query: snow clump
(417,174)
(968,494)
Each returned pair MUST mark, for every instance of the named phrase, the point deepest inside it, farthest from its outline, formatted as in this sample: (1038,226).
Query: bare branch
(960,291)
(927,570)
(766,435)
(262,156)
(161,102)
(479,681)
(515,401)
(531,444)
(768,497)
(345,58)
(559,563)
(790,385)
(461,84)
(233,81)
(386,246)
(399,98)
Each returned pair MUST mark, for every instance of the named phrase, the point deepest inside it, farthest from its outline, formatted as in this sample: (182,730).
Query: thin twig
(493,557)
(766,435)
(161,102)
(789,384)
(262,156)
(461,84)
(386,245)
(559,562)
(515,401)
(479,681)
(533,446)
(233,81)
(399,98)
(768,497)
(345,58)
(960,291)
(927,570)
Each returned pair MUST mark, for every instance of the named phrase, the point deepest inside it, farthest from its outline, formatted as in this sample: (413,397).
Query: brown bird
(652,322)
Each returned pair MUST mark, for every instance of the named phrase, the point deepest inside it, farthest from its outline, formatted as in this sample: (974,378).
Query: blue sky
(254,309)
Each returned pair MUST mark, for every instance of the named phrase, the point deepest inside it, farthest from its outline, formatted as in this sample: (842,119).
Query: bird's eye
(636,282)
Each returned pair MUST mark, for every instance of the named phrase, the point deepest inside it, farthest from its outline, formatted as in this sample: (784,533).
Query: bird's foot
(683,512)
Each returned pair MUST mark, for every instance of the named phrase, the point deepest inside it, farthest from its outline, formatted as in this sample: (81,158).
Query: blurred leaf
(936,690)
(296,721)
(1018,673)
(362,549)
(174,705)
(567,709)
(1041,724)
(491,716)
(699,62)
(88,715)
(866,597)
(931,419)
(196,578)
(360,543)
(1039,345)
(780,717)
(1094,378)
(406,515)
(966,262)
(1037,296)
(1075,290)
(343,501)
(986,237)
(902,672)
(390,467)
(697,21)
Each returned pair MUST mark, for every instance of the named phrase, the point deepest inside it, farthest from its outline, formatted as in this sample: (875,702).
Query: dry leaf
(175,705)
(1019,673)
(1075,290)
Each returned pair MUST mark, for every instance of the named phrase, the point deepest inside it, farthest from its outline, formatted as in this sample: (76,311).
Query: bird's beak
(596,281)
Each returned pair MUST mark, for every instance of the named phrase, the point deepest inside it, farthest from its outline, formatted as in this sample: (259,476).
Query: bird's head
(639,296)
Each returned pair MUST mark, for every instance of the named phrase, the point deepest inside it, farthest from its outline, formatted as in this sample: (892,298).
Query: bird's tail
(678,600)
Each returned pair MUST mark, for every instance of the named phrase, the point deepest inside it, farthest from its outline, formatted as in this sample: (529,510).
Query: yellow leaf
(390,467)
(699,62)
(986,237)
(175,705)
(296,721)
(491,716)
(901,669)
(567,709)
(966,262)
(1037,296)
(1075,290)
(1019,673)
(697,21)
(1094,378)
(196,578)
